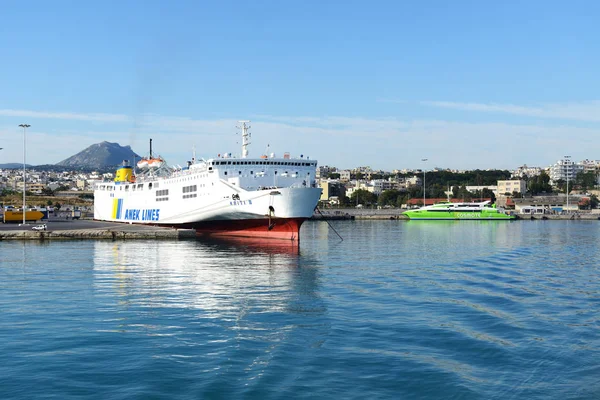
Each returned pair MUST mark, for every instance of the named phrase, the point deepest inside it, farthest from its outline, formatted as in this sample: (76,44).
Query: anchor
(271,215)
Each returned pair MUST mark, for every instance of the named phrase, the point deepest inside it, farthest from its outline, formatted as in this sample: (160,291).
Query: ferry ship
(460,211)
(264,197)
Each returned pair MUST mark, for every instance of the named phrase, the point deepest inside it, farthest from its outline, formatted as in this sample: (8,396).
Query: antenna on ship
(245,137)
(194,154)
(150,148)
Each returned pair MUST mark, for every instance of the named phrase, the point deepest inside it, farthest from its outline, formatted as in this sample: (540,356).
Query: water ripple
(397,310)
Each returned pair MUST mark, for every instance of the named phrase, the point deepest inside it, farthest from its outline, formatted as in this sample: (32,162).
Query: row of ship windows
(154,185)
(451,210)
(189,178)
(151,185)
(139,186)
(186,189)
(297,164)
(185,196)
(263,173)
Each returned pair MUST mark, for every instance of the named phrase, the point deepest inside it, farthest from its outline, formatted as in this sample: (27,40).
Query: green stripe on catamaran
(460,211)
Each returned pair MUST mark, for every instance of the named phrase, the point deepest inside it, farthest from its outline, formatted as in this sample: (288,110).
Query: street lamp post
(567,171)
(424,160)
(24,126)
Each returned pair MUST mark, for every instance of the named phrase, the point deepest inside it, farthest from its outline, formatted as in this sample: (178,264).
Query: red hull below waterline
(276,228)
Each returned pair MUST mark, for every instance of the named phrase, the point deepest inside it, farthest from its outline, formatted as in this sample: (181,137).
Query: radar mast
(245,137)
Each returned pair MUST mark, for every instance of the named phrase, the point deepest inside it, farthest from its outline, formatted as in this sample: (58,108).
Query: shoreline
(367,214)
(90,229)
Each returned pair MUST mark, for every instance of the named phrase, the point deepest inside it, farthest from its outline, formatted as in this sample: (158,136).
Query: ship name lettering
(240,203)
(149,214)
(469,215)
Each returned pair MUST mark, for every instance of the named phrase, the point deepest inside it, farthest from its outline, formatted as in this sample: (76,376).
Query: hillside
(13,166)
(100,155)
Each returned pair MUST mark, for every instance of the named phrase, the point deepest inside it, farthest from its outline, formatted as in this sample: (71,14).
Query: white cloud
(345,142)
(64,116)
(582,111)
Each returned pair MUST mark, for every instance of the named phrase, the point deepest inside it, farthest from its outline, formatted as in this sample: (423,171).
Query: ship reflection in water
(253,245)
(235,282)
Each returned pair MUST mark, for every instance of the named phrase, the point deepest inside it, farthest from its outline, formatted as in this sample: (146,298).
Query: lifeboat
(143,163)
(155,163)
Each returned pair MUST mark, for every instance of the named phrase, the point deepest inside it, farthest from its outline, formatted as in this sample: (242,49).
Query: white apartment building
(526,171)
(474,189)
(344,175)
(381,185)
(564,169)
(414,181)
(590,165)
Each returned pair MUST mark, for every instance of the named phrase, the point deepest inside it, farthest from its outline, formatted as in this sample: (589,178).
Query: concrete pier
(396,214)
(86,229)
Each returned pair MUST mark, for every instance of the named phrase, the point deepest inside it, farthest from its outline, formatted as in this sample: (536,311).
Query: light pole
(24,126)
(424,160)
(567,171)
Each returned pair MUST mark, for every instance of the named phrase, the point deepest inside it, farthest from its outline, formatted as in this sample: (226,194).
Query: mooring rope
(325,219)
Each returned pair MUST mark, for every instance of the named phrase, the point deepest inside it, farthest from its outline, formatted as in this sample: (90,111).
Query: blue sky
(465,84)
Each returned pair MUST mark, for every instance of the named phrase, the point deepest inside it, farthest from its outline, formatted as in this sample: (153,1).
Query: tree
(402,199)
(389,198)
(344,201)
(8,192)
(561,185)
(362,196)
(455,191)
(464,194)
(488,193)
(540,184)
(585,180)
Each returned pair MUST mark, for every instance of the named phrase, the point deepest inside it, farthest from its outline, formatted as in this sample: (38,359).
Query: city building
(564,170)
(510,187)
(525,171)
(332,188)
(551,204)
(345,175)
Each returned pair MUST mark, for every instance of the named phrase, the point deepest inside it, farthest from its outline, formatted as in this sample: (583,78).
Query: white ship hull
(212,213)
(265,198)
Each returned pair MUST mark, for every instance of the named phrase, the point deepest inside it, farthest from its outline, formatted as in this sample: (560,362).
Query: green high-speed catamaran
(460,211)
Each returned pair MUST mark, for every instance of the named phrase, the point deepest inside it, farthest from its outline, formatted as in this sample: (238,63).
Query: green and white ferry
(459,211)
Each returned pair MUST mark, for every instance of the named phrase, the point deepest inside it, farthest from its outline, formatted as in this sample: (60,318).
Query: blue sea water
(398,310)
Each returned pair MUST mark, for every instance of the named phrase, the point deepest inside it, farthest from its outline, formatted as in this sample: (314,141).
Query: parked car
(41,227)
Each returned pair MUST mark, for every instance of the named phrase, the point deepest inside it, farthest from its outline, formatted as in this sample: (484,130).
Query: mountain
(14,166)
(100,155)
